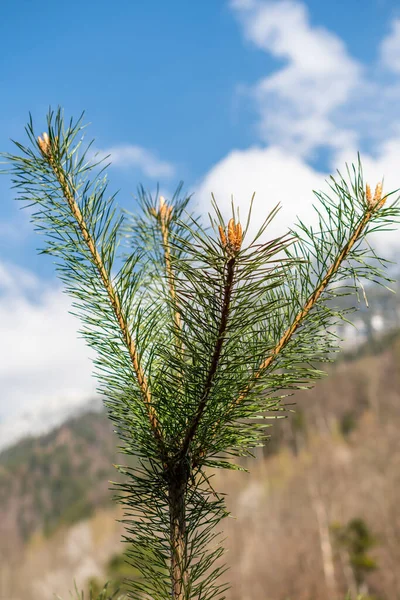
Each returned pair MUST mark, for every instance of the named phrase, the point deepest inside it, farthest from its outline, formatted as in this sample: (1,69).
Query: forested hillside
(317,514)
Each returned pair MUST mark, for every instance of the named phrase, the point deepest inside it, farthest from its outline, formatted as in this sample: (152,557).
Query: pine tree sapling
(199,334)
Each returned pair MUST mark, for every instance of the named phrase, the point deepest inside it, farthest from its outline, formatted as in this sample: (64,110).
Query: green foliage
(118,570)
(348,423)
(198,333)
(52,480)
(356,538)
(106,593)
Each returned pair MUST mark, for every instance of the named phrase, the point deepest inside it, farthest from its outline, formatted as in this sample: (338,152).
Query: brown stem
(178,534)
(112,293)
(216,355)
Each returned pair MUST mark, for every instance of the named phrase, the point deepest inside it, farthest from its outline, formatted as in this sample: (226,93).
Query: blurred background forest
(317,515)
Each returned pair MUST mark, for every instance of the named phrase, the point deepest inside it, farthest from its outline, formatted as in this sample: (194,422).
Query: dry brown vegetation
(336,458)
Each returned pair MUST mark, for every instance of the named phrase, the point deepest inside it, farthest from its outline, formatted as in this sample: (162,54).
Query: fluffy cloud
(275,176)
(127,155)
(297,103)
(320,98)
(44,367)
(279,177)
(390,48)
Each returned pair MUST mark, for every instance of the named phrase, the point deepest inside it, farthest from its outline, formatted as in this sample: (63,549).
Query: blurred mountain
(43,418)
(332,463)
(378,312)
(56,479)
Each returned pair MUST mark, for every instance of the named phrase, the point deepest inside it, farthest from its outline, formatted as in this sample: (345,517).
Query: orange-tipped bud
(239,236)
(232,240)
(222,236)
(44,144)
(368,194)
(231,232)
(163,207)
(378,192)
(377,201)
(164,211)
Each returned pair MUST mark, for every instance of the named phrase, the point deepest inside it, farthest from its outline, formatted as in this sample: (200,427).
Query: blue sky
(172,78)
(230,96)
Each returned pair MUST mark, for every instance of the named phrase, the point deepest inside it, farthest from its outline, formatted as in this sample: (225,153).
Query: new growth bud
(164,212)
(44,144)
(222,236)
(377,201)
(368,194)
(232,239)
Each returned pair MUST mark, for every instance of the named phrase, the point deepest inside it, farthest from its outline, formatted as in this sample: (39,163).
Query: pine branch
(47,148)
(164,218)
(373,204)
(231,243)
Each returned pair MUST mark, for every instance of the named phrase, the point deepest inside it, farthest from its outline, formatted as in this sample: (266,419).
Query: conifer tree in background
(199,333)
(356,539)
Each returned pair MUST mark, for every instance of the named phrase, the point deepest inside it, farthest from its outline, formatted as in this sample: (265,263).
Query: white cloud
(297,103)
(390,48)
(131,156)
(278,176)
(383,163)
(45,370)
(321,97)
(274,175)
